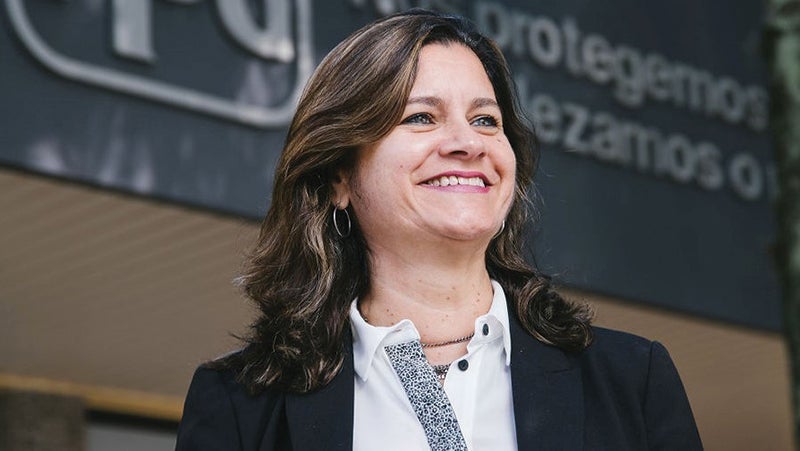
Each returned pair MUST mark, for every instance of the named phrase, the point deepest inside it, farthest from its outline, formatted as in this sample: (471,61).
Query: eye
(486,121)
(419,118)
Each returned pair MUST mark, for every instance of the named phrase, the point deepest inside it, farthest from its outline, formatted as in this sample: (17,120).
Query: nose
(460,140)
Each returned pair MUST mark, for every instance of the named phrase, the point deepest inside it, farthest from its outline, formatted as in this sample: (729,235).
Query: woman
(396,310)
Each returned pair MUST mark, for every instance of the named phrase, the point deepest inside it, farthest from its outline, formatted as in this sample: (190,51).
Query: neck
(441,295)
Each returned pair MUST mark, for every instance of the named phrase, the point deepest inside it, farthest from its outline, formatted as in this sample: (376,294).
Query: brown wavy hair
(302,276)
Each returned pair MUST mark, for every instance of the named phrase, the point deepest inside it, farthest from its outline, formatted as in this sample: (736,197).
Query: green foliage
(782,45)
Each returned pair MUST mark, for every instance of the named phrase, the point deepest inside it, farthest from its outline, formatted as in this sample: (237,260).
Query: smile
(452,180)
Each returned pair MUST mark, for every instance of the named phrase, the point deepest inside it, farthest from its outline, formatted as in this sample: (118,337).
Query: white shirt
(480,394)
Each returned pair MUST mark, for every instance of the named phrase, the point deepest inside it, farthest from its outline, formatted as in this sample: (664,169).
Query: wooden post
(31,421)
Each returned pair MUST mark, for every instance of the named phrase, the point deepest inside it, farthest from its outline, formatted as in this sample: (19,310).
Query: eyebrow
(425,100)
(434,101)
(484,101)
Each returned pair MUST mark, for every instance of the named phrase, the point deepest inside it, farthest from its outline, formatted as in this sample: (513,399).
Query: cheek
(510,166)
(359,189)
(509,159)
(370,186)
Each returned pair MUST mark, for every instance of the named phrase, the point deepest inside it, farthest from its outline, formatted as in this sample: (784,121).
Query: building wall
(116,299)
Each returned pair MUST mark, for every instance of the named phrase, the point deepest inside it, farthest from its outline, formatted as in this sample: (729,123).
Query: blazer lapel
(548,394)
(323,420)
(547,390)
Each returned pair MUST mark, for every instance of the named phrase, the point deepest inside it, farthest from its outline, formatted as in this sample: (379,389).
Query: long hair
(302,276)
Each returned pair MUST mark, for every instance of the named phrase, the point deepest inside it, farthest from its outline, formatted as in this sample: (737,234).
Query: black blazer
(621,393)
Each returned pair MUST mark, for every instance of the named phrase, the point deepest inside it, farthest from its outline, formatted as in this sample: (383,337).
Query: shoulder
(636,378)
(220,409)
(628,366)
(220,379)
(630,358)
(609,343)
(610,340)
(218,384)
(614,344)
(623,356)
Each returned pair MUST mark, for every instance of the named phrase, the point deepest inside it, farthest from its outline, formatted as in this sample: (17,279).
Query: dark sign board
(656,177)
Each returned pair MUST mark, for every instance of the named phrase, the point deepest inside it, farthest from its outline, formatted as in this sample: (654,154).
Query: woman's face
(446,171)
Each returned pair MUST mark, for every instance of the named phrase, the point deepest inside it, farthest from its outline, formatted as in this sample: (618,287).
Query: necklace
(449,342)
(438,344)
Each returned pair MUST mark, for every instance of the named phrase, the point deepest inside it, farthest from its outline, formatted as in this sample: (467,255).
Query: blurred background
(138,140)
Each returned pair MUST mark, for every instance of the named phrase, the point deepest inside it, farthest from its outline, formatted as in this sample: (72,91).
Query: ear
(341,189)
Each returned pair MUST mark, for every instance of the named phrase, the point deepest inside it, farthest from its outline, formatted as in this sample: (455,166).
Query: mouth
(453,180)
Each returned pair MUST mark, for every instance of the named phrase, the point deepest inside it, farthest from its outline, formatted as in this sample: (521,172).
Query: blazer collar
(548,393)
(323,420)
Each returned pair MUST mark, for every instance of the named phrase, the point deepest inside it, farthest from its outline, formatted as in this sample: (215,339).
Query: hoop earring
(336,222)
(502,227)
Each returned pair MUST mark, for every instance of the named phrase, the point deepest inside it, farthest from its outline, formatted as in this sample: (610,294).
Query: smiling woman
(395,308)
(445,172)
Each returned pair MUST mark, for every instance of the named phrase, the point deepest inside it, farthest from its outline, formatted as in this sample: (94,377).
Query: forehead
(450,68)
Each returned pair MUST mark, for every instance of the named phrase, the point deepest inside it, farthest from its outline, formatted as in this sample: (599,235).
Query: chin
(478,234)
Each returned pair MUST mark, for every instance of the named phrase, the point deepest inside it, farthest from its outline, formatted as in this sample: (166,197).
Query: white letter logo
(132,38)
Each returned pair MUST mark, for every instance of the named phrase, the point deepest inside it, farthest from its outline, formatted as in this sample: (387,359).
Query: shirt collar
(368,339)
(499,312)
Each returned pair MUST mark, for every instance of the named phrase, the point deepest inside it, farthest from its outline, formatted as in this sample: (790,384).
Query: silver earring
(502,227)
(336,223)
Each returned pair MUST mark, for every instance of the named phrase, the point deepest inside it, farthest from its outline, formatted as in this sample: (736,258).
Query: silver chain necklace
(449,342)
(439,344)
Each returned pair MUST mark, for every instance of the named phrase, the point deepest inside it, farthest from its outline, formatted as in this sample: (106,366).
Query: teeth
(453,180)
